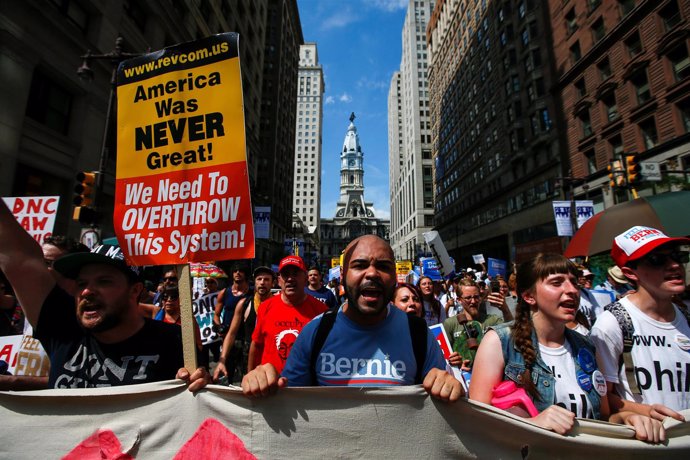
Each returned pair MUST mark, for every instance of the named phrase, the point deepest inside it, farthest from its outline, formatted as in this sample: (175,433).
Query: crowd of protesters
(617,351)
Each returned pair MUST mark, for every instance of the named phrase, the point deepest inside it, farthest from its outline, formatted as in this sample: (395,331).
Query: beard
(353,293)
(110,315)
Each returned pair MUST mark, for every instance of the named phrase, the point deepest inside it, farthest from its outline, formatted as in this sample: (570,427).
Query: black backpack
(418,334)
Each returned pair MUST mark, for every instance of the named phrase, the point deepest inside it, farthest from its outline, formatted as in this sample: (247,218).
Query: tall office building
(496,148)
(409,138)
(307,188)
(625,86)
(274,185)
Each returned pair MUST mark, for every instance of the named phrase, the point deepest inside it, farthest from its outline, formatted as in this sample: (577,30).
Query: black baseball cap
(70,265)
(263,269)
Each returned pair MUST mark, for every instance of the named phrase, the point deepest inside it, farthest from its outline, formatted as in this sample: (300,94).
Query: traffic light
(616,174)
(86,215)
(85,188)
(632,169)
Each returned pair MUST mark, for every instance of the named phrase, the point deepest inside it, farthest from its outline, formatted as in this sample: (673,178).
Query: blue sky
(359,44)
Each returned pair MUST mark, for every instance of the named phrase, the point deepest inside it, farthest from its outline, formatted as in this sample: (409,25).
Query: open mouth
(371,293)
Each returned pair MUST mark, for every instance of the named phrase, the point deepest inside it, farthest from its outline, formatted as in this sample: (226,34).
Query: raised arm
(21,259)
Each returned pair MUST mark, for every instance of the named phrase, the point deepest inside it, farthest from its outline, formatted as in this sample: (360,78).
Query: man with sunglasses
(643,340)
(470,323)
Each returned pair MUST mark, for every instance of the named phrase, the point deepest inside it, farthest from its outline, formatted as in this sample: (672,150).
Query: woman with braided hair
(555,365)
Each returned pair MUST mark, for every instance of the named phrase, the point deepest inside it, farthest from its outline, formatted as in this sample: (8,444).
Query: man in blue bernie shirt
(369,343)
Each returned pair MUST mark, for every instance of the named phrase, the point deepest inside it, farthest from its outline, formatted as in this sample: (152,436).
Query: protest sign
(497,267)
(439,333)
(182,188)
(9,346)
(402,269)
(478,258)
(334,273)
(445,264)
(203,308)
(430,268)
(35,213)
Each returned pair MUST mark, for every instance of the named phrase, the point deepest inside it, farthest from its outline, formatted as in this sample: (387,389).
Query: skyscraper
(307,192)
(409,138)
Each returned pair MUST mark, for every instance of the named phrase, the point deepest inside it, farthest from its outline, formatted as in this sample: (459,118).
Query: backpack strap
(418,334)
(325,326)
(625,323)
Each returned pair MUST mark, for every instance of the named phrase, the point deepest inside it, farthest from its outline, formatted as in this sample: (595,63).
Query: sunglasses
(171,297)
(170,278)
(659,259)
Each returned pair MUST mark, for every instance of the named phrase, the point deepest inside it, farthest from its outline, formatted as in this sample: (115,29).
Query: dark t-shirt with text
(78,360)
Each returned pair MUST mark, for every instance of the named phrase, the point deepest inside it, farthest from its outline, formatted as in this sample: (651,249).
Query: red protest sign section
(182,187)
(181,217)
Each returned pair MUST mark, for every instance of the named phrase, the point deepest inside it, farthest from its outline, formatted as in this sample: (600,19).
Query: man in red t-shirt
(281,318)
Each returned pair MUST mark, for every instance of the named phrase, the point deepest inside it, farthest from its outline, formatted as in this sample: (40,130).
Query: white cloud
(345,98)
(339,20)
(368,83)
(329,100)
(390,5)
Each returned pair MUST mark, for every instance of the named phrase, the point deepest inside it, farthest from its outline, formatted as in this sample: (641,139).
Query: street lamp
(86,74)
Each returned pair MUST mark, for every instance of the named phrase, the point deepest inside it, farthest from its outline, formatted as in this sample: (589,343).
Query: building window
(641,84)
(610,106)
(633,44)
(598,29)
(585,123)
(575,53)
(648,132)
(590,161)
(49,103)
(670,15)
(604,69)
(684,109)
(593,4)
(580,88)
(626,6)
(571,21)
(680,62)
(616,145)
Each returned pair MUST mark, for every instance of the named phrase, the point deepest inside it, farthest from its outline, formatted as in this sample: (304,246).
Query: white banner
(164,421)
(35,213)
(262,221)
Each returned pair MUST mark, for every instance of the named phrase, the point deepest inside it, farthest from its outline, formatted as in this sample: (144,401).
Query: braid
(522,334)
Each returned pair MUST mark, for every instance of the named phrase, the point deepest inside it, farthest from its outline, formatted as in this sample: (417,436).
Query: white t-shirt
(569,395)
(455,308)
(661,353)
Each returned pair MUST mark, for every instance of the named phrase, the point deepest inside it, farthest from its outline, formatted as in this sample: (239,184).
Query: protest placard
(402,269)
(203,308)
(182,188)
(478,258)
(35,213)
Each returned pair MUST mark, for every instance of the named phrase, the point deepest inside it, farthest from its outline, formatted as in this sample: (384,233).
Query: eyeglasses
(171,296)
(170,278)
(659,259)
(471,297)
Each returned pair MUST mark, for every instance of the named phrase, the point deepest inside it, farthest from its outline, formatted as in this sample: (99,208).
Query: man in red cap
(281,318)
(643,340)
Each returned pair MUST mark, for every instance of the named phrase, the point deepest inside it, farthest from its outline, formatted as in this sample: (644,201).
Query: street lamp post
(571,182)
(116,56)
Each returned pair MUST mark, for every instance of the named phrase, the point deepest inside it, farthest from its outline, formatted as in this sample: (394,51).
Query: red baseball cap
(639,241)
(295,261)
